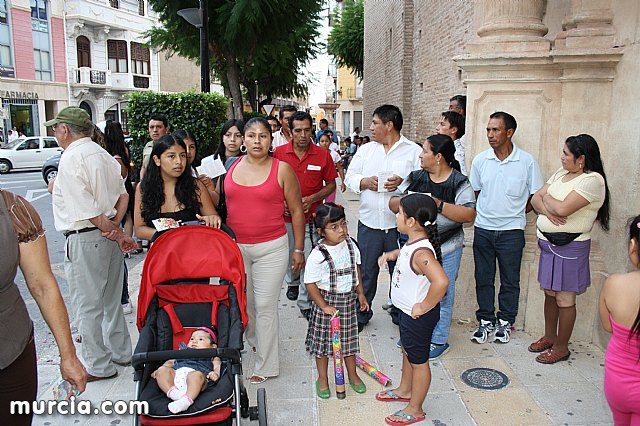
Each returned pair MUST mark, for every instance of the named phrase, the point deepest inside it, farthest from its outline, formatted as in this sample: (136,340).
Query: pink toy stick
(337,357)
(372,371)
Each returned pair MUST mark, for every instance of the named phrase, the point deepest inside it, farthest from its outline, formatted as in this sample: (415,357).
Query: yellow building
(349,96)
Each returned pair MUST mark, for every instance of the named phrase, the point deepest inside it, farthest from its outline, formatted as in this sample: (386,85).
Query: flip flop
(391,397)
(256,380)
(408,417)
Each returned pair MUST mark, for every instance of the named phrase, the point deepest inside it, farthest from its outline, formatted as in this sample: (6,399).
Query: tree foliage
(200,113)
(264,40)
(346,40)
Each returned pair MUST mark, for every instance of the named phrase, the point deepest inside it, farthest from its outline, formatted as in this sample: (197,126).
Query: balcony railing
(354,93)
(91,76)
(140,82)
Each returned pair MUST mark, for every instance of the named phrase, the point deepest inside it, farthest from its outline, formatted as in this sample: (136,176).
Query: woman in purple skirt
(569,204)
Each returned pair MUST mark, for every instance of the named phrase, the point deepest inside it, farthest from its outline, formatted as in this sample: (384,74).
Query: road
(31,185)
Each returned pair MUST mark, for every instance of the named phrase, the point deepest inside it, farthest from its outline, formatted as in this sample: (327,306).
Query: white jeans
(265,265)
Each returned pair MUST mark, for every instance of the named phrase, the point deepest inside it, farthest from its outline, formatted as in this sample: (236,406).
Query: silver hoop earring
(271,149)
(243,150)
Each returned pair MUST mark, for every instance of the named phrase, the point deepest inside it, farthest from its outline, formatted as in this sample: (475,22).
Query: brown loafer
(92,378)
(551,357)
(540,345)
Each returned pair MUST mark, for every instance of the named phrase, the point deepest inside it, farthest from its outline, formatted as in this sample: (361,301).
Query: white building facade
(106,56)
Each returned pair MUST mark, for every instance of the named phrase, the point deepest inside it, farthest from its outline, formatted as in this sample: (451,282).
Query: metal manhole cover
(485,378)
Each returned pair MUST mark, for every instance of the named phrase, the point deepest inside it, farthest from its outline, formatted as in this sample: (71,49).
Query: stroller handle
(140,359)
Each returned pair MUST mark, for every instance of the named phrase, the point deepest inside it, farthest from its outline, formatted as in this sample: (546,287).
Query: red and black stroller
(175,298)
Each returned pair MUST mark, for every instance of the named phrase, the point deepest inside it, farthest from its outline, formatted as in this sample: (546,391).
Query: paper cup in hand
(382,179)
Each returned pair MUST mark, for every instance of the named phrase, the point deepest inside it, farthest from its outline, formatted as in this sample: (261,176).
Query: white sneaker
(482,332)
(503,331)
(127,308)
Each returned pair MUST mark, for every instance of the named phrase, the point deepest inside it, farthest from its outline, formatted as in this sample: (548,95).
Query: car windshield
(13,144)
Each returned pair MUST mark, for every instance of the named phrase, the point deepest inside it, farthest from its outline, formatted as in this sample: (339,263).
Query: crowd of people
(414,199)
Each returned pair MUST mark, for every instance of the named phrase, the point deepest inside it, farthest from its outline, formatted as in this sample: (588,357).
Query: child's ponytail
(434,239)
(312,217)
(423,209)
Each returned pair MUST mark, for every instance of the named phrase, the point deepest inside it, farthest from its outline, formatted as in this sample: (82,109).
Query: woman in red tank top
(257,187)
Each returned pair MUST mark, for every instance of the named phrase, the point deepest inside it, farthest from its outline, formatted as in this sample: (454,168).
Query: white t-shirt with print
(316,269)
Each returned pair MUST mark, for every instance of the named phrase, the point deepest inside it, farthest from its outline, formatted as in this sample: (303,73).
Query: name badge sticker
(313,167)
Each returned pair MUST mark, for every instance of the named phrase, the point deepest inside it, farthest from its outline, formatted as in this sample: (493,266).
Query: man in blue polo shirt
(504,178)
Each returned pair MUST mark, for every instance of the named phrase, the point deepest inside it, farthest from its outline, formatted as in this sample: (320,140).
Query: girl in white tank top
(417,286)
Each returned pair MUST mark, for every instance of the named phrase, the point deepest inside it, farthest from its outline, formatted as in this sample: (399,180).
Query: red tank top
(255,213)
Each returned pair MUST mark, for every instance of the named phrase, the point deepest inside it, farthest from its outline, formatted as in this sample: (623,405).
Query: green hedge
(200,113)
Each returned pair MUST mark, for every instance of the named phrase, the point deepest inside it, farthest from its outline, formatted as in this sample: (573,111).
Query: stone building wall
(408,51)
(388,56)
(560,67)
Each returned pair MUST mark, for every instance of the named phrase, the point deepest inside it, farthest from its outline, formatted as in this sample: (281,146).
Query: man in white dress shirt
(284,135)
(376,172)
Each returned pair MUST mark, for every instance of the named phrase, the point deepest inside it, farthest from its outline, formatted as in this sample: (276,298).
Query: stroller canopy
(191,252)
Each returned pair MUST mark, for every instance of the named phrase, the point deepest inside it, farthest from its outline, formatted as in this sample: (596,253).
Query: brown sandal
(540,345)
(551,357)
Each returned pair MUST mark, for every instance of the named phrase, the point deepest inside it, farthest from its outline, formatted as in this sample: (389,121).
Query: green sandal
(361,388)
(322,393)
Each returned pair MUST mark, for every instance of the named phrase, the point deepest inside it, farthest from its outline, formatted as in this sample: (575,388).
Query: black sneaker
(292,292)
(305,313)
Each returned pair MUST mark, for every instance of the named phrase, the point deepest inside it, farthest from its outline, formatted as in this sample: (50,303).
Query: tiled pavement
(565,393)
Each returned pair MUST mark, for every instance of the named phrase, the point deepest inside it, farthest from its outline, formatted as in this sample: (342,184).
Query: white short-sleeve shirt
(316,269)
(88,184)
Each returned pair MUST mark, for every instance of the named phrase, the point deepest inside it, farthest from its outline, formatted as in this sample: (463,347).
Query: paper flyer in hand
(164,223)
(211,167)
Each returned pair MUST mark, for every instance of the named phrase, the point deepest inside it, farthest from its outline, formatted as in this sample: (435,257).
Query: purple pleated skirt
(564,268)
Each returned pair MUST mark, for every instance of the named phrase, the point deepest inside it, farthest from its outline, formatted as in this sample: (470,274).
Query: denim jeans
(372,243)
(451,265)
(506,247)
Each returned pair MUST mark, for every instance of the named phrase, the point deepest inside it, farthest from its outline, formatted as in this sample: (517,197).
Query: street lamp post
(199,18)
(257,98)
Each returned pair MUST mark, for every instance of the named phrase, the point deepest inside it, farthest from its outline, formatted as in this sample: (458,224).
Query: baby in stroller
(182,380)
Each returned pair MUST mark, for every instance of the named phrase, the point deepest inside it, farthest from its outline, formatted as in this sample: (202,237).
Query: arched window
(85,106)
(83,47)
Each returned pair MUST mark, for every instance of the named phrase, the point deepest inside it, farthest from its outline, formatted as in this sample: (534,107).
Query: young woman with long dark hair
(169,190)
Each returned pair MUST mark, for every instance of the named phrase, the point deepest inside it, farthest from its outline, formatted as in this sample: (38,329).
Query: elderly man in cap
(89,200)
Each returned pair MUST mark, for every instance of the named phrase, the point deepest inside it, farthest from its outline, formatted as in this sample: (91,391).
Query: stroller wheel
(244,402)
(262,407)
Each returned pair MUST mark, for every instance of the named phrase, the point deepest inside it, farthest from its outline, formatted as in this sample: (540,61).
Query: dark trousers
(19,382)
(506,247)
(372,243)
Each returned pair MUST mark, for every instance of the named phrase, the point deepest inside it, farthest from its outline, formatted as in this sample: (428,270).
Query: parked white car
(28,153)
